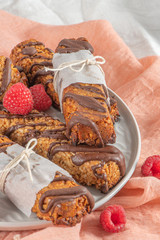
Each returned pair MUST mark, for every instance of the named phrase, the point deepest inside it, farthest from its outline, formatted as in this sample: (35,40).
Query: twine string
(25,154)
(76,63)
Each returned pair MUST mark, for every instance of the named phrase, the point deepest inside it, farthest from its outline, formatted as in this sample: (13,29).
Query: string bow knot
(76,63)
(25,154)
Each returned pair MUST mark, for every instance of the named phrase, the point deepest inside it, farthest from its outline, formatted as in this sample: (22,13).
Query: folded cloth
(137,82)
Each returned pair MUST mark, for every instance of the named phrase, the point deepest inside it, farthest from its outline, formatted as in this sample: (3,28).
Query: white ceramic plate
(128,141)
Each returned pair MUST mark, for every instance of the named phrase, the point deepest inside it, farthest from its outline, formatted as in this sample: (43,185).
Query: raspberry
(113,218)
(151,167)
(41,100)
(18,99)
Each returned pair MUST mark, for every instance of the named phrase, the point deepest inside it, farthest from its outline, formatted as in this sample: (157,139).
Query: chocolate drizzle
(107,153)
(64,195)
(112,101)
(78,119)
(31,44)
(51,134)
(94,103)
(38,56)
(2,108)
(49,154)
(86,101)
(61,177)
(107,97)
(74,45)
(5,143)
(88,88)
(84,154)
(29,51)
(19,68)
(6,76)
(55,134)
(99,176)
(41,72)
(49,50)
(46,84)
(35,133)
(45,63)
(13,128)
(28,116)
(95,90)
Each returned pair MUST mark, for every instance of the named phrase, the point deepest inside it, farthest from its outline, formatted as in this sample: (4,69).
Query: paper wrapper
(90,73)
(18,186)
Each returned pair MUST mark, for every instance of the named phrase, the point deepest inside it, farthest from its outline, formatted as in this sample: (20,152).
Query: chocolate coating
(6,76)
(84,154)
(78,119)
(29,51)
(19,68)
(91,103)
(74,45)
(41,72)
(88,88)
(45,63)
(86,101)
(31,44)
(64,195)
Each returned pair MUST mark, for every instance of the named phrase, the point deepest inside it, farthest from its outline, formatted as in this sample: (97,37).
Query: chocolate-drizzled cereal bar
(31,56)
(102,167)
(9,75)
(63,201)
(85,106)
(87,116)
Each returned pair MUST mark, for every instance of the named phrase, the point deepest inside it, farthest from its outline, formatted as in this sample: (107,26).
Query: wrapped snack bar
(84,99)
(35,184)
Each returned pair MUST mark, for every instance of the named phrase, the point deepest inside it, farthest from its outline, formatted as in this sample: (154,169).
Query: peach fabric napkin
(137,82)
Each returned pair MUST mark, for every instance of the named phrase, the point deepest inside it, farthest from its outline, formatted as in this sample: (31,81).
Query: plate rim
(126,178)
(39,224)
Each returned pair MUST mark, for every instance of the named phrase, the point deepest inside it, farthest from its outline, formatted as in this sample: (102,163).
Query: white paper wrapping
(90,73)
(18,186)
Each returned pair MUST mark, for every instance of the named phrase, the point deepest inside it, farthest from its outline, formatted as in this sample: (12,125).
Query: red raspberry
(18,99)
(41,100)
(113,218)
(151,167)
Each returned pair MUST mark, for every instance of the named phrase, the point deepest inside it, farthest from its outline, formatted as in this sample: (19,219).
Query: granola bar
(32,56)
